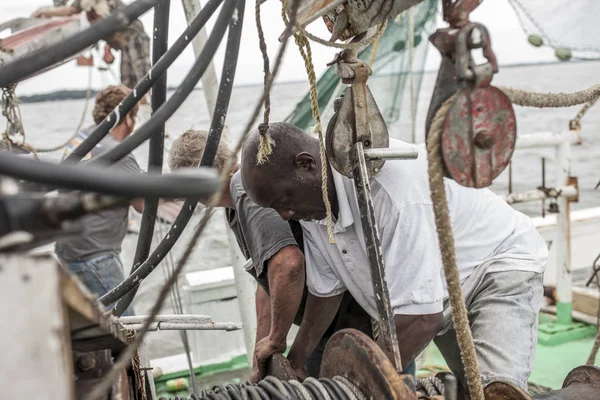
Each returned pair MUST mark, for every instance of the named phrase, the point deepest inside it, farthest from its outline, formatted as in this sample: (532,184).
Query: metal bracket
(373,246)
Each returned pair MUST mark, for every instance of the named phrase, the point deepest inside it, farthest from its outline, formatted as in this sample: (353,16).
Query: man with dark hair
(94,255)
(274,250)
(500,255)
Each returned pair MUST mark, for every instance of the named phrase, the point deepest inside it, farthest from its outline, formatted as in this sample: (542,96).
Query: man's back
(103,231)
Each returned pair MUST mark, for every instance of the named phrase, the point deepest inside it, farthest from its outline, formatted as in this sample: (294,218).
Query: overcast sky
(509,44)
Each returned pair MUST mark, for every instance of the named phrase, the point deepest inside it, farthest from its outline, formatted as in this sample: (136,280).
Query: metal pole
(246,290)
(160,44)
(387,325)
(210,81)
(564,304)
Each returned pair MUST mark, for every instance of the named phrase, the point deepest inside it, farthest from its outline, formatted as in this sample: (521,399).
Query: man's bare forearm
(415,332)
(263,314)
(318,316)
(286,285)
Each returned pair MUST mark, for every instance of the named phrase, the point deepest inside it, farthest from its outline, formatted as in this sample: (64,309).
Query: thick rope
(265,148)
(551,100)
(411,46)
(576,122)
(306,53)
(446,244)
(594,352)
(356,46)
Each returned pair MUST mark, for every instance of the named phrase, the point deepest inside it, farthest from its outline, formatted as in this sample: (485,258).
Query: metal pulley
(357,119)
(479,132)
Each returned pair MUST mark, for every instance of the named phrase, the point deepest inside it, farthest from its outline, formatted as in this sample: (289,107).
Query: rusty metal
(280,368)
(349,18)
(352,354)
(504,391)
(480,132)
(357,119)
(456,12)
(585,374)
(373,248)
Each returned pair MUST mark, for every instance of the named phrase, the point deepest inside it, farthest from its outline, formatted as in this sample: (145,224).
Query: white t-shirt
(485,229)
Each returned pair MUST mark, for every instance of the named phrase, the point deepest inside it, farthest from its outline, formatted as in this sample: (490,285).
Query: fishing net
(570,28)
(390,82)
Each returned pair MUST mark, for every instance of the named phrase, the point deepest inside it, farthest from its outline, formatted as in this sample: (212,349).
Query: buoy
(563,54)
(417,40)
(535,40)
(175,385)
(399,45)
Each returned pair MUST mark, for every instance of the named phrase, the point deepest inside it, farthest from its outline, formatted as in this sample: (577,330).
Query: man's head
(187,151)
(106,101)
(290,181)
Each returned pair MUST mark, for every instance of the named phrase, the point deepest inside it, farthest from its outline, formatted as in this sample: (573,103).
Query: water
(50,123)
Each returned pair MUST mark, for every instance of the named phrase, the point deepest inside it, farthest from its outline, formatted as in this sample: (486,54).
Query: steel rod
(218,121)
(15,71)
(146,83)
(186,183)
(188,319)
(398,153)
(180,95)
(179,326)
(160,44)
(569,192)
(386,320)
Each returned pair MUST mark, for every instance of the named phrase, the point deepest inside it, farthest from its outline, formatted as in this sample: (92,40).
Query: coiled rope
(338,388)
(430,386)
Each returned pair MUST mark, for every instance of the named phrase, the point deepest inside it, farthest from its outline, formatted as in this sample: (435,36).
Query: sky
(508,40)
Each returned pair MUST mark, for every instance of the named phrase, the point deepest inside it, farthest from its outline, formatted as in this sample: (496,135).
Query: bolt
(360,104)
(86,362)
(375,169)
(484,140)
(367,143)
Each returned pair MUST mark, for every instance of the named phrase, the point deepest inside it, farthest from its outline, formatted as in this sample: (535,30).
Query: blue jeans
(100,274)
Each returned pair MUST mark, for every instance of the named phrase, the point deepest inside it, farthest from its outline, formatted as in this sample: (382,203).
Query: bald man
(500,255)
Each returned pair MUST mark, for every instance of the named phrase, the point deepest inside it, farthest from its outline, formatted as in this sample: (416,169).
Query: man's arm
(318,316)
(286,284)
(62,11)
(414,333)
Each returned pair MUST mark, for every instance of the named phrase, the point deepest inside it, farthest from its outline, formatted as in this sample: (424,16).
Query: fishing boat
(566,333)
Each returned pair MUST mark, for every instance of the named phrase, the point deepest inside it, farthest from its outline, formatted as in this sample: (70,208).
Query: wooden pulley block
(479,136)
(357,119)
(353,355)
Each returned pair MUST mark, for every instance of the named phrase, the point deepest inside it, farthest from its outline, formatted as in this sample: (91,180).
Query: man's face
(298,197)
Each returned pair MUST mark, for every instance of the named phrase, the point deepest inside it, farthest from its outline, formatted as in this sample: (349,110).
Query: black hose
(23,67)
(188,183)
(160,44)
(183,91)
(146,83)
(218,121)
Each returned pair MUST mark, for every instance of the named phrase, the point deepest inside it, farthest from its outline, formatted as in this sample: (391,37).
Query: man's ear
(306,161)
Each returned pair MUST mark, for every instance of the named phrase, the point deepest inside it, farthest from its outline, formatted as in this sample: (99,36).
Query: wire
(146,83)
(23,67)
(186,183)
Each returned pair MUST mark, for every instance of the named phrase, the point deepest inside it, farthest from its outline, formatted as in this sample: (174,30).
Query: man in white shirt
(500,256)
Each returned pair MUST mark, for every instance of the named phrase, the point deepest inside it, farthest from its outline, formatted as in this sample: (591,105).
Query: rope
(303,44)
(431,386)
(265,148)
(446,244)
(576,122)
(81,119)
(356,46)
(374,49)
(594,352)
(411,46)
(551,100)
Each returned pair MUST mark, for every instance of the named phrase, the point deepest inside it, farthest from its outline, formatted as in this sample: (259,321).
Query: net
(390,81)
(571,28)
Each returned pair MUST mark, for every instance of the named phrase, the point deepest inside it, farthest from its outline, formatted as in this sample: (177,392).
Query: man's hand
(298,364)
(265,348)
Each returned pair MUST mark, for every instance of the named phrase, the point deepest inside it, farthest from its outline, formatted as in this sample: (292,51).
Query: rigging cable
(125,356)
